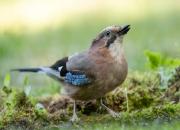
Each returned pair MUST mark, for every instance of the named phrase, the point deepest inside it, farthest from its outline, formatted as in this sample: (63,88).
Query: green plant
(157,60)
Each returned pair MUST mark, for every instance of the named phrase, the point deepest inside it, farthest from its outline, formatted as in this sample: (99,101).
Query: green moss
(139,99)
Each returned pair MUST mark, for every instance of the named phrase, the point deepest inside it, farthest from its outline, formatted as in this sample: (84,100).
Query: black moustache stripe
(111,40)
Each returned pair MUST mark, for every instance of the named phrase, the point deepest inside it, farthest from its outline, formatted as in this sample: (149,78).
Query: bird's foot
(113,113)
(74,118)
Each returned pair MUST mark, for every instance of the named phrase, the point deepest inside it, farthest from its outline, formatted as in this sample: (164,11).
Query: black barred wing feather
(79,70)
(77,78)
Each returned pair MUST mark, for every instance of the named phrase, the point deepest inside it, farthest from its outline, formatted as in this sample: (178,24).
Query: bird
(92,73)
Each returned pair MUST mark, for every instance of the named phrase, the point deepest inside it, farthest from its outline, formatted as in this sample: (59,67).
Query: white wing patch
(50,71)
(60,68)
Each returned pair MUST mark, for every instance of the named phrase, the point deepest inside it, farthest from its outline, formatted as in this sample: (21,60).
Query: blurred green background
(38,32)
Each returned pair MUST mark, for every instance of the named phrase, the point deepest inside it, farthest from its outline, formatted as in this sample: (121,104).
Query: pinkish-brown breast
(108,75)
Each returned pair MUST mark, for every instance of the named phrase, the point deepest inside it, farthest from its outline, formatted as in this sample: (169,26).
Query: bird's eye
(108,33)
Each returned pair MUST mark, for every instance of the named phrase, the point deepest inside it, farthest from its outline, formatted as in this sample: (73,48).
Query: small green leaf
(157,60)
(26,81)
(27,90)
(7,80)
(154,59)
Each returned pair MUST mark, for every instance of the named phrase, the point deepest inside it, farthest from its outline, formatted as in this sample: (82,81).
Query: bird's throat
(117,51)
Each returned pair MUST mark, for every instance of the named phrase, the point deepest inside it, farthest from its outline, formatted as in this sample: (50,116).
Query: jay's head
(110,37)
(110,41)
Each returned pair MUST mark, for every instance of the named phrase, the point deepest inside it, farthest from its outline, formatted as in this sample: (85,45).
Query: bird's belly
(105,83)
(90,92)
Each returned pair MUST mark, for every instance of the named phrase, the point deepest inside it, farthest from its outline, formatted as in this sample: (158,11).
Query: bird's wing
(79,70)
(72,69)
(60,64)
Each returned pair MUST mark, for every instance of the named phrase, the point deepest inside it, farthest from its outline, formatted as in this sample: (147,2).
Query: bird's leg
(74,117)
(111,112)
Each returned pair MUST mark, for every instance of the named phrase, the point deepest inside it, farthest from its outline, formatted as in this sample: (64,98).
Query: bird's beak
(124,30)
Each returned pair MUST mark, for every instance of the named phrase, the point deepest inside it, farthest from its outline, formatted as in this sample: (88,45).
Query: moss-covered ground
(142,101)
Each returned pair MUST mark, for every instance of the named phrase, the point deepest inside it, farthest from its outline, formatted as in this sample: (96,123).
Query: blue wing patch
(76,79)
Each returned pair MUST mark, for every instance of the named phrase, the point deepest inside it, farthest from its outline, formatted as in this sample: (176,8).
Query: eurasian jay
(92,73)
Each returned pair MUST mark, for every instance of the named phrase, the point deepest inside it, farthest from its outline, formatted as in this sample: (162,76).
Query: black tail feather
(34,70)
(46,70)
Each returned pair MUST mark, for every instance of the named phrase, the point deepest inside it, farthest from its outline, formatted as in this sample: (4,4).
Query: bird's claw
(111,112)
(114,114)
(74,118)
